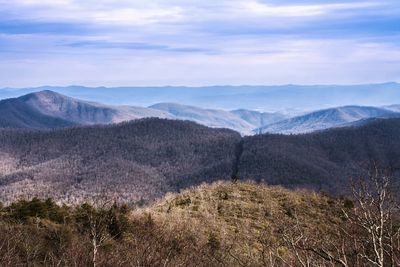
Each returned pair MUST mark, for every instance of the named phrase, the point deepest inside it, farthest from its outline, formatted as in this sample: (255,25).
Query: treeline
(224,224)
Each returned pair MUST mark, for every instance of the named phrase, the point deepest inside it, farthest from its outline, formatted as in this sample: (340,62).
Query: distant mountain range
(235,120)
(261,98)
(48,109)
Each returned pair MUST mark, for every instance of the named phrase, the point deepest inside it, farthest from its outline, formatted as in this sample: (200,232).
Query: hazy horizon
(283,98)
(195,86)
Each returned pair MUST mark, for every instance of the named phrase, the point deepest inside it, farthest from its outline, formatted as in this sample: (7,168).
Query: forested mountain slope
(144,159)
(322,160)
(141,159)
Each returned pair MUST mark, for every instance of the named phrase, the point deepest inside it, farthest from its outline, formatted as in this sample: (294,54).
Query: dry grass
(244,216)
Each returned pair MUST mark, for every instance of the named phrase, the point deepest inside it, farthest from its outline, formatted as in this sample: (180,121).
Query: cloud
(100,44)
(90,11)
(161,11)
(260,8)
(132,42)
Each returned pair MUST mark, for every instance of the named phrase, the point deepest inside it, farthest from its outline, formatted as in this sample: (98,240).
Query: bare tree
(374,214)
(99,220)
(369,234)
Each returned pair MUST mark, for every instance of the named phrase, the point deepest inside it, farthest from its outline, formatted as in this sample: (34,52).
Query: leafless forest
(142,160)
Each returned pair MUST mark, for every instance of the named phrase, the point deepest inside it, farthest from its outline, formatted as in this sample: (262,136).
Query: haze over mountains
(324,119)
(260,98)
(393,108)
(47,109)
(208,117)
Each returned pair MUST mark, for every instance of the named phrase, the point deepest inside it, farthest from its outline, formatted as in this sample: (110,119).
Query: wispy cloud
(306,10)
(90,11)
(198,42)
(135,46)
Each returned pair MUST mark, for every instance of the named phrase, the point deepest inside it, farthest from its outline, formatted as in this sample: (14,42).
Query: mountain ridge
(324,119)
(51,108)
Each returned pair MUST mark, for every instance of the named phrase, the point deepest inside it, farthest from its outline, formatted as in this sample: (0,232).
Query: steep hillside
(322,160)
(208,117)
(15,113)
(143,159)
(47,109)
(324,119)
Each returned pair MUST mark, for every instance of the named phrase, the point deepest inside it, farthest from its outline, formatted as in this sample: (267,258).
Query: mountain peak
(44,93)
(47,96)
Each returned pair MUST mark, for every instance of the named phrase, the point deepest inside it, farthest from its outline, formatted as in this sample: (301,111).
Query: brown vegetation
(223,224)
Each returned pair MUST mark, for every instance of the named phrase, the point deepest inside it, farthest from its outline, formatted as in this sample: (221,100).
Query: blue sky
(188,42)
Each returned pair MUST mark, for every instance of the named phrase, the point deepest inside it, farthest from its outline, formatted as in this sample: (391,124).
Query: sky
(198,42)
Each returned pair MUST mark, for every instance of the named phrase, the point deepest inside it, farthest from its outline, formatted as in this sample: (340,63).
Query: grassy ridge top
(234,205)
(244,218)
